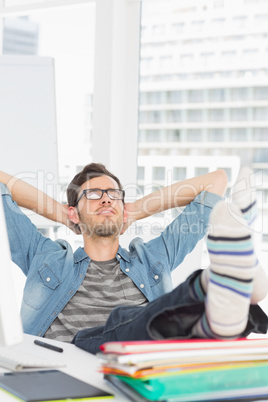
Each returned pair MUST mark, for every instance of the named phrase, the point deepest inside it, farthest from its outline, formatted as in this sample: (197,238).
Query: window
(240,22)
(194,135)
(159,173)
(261,134)
(67,35)
(174,116)
(155,98)
(265,196)
(217,87)
(216,135)
(261,113)
(238,134)
(265,176)
(228,171)
(143,117)
(265,238)
(141,173)
(260,155)
(239,114)
(195,115)
(143,98)
(153,136)
(195,96)
(261,19)
(173,136)
(216,115)
(238,94)
(200,171)
(174,97)
(179,173)
(151,117)
(216,95)
(20,36)
(261,93)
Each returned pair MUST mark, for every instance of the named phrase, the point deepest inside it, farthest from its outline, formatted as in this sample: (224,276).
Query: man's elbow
(220,182)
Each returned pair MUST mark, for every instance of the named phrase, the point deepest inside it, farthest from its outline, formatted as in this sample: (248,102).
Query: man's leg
(230,276)
(244,196)
(170,316)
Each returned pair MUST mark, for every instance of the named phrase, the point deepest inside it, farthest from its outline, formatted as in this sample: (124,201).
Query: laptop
(11,329)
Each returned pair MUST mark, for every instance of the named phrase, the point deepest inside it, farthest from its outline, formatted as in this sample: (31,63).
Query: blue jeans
(171,316)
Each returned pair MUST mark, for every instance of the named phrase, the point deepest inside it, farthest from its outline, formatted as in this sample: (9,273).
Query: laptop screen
(11,331)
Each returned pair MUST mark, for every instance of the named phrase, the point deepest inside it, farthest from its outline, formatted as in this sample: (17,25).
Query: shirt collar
(81,255)
(123,254)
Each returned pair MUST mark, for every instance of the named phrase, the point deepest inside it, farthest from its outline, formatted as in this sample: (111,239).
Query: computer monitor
(11,331)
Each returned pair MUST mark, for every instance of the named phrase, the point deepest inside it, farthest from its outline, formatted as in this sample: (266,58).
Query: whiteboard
(28,134)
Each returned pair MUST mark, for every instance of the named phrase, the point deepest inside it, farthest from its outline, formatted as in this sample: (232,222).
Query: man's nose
(105,199)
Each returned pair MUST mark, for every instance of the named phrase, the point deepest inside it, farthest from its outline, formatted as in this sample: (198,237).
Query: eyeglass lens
(96,194)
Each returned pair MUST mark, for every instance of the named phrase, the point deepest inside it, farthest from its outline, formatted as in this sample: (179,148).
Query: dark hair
(89,172)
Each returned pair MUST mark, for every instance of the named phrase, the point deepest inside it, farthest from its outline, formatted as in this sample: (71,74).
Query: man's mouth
(105,212)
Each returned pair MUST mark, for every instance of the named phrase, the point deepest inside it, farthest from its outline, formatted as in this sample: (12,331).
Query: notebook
(49,385)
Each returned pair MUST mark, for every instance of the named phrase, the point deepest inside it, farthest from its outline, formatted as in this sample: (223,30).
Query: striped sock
(197,290)
(243,194)
(231,273)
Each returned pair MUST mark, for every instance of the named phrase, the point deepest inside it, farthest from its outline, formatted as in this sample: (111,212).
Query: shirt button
(118,255)
(142,286)
(48,279)
(156,277)
(127,270)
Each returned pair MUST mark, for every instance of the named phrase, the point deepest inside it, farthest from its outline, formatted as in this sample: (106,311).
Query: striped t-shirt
(104,287)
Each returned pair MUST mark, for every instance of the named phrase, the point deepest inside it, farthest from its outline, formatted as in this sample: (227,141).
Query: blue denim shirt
(54,272)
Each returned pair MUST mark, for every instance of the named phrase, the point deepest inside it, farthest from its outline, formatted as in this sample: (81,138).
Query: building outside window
(219,84)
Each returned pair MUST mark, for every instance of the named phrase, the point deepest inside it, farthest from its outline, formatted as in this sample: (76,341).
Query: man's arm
(29,197)
(176,195)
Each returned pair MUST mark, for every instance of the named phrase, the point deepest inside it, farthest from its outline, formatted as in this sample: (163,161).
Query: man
(66,292)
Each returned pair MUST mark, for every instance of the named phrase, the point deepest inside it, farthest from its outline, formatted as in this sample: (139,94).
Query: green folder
(49,385)
(231,381)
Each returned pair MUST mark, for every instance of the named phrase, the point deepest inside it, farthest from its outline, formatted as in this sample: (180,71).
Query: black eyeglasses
(97,194)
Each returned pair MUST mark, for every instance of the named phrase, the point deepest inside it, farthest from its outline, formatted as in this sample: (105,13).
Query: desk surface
(78,363)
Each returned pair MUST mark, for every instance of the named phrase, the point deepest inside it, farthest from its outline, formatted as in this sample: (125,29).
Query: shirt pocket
(40,287)
(156,271)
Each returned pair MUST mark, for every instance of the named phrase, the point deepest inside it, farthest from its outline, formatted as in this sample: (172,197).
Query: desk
(78,363)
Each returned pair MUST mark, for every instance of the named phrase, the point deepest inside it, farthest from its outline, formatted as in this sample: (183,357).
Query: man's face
(103,217)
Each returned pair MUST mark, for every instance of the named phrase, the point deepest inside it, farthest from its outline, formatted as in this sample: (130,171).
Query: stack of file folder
(191,370)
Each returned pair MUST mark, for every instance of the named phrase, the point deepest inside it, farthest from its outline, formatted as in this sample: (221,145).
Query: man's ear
(125,215)
(73,215)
